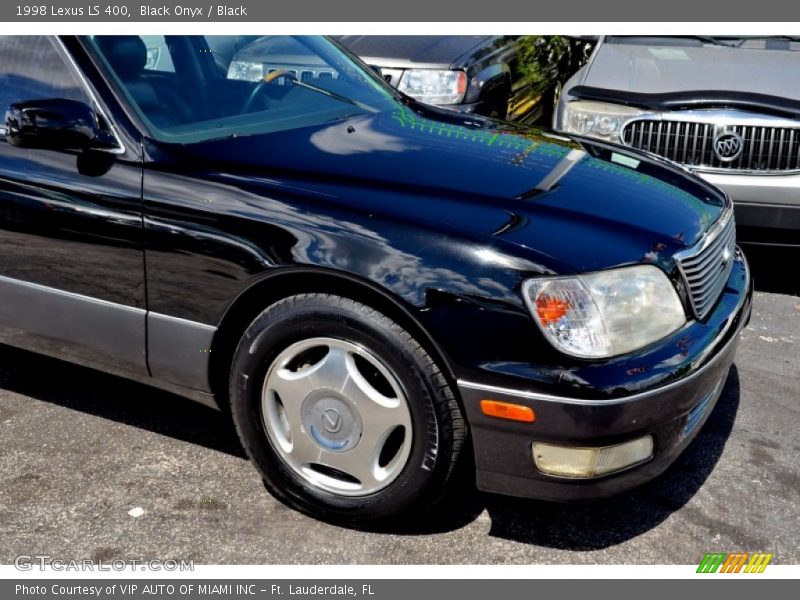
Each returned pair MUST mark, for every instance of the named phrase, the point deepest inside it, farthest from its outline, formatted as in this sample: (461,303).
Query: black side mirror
(54,123)
(377,70)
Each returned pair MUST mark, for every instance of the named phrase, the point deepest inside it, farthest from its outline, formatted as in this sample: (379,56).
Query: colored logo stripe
(734,562)
(759,561)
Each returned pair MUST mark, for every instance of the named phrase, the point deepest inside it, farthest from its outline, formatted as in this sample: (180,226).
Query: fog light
(565,461)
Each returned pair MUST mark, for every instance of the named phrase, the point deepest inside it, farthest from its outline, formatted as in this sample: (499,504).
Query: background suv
(502,76)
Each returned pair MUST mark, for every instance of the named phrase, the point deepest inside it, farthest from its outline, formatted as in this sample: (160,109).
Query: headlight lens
(434,86)
(606,313)
(597,119)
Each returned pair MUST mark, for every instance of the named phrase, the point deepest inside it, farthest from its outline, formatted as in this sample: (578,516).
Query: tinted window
(235,85)
(32,68)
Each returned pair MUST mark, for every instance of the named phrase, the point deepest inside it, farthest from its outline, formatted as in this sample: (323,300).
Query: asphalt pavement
(81,452)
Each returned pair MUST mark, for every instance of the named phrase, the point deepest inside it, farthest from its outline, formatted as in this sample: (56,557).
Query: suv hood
(660,69)
(560,198)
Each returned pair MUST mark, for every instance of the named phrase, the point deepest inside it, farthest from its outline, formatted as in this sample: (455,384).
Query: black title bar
(71,11)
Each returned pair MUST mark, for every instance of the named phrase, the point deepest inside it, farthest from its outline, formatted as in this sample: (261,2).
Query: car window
(32,68)
(232,85)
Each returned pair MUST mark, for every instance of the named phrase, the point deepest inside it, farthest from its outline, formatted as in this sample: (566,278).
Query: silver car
(726,107)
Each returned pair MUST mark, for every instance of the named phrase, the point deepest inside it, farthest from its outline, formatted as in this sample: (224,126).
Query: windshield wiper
(791,38)
(706,39)
(334,95)
(738,41)
(660,39)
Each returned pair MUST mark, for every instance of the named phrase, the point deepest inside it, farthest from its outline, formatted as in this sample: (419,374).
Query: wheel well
(260,295)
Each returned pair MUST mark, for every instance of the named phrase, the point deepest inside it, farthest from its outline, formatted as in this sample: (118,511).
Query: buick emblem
(728,146)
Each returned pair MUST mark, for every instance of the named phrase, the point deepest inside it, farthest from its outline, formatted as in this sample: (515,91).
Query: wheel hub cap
(337,416)
(331,420)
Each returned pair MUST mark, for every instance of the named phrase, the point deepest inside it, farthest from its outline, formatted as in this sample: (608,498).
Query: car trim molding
(596,402)
(58,322)
(179,350)
(173,350)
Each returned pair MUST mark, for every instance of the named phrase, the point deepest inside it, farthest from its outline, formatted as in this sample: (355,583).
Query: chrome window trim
(62,49)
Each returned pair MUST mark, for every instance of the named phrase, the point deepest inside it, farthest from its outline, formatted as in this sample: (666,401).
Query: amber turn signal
(506,410)
(551,309)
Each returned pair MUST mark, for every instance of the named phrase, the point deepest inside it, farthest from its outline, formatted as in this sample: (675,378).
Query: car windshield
(193,88)
(748,42)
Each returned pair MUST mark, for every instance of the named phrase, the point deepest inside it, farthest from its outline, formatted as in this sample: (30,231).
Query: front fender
(487,81)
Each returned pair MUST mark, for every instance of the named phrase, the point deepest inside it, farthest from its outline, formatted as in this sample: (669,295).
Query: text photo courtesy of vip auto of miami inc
(503,300)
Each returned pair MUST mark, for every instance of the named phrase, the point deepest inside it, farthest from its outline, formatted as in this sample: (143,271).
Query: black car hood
(428,50)
(559,197)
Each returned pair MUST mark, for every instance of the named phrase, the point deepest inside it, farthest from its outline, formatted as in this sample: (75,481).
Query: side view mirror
(54,123)
(377,70)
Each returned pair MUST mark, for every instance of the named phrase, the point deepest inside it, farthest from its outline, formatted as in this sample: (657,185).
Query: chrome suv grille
(763,149)
(706,267)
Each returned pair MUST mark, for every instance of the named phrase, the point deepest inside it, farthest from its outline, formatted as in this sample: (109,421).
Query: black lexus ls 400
(375,289)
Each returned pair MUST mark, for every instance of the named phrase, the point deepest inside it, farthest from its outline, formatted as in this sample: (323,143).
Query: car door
(71,247)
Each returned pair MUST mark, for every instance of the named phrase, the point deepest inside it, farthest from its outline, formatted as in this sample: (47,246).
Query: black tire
(438,428)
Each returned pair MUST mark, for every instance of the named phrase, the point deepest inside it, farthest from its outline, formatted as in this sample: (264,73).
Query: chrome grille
(706,267)
(766,149)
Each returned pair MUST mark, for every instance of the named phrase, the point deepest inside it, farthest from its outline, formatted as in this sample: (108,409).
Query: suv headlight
(597,119)
(434,86)
(607,313)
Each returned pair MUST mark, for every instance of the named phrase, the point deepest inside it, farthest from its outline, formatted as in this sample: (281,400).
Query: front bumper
(672,413)
(761,201)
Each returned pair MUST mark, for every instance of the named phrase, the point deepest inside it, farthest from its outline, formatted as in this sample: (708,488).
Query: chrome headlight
(597,119)
(434,86)
(606,313)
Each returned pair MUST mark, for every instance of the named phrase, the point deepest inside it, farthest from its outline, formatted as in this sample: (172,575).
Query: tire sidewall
(290,322)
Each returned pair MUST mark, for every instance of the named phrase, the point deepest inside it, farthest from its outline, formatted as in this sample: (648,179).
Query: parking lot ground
(79,450)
